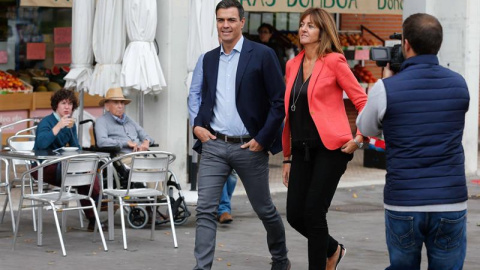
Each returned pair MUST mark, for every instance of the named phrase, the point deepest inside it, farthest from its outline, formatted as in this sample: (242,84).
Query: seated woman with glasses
(58,130)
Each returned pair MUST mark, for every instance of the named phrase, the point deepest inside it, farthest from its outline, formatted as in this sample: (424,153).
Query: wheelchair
(138,216)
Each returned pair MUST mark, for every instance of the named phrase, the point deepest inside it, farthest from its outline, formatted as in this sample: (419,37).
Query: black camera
(392,55)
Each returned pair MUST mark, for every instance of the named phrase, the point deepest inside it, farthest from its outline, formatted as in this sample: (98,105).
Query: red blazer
(330,77)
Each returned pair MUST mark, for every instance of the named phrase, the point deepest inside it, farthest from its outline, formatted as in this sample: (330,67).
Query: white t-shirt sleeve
(369,121)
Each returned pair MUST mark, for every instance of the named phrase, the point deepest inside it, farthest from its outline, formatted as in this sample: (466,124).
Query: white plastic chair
(27,131)
(26,143)
(32,122)
(146,167)
(5,190)
(26,140)
(77,170)
(17,143)
(20,143)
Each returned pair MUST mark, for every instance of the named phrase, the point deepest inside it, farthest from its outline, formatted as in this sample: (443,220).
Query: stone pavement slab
(355,219)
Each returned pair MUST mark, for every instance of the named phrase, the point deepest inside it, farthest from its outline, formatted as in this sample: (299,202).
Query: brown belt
(232,139)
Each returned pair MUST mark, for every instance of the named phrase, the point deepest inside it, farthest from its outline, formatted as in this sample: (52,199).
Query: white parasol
(108,46)
(202,32)
(82,54)
(141,68)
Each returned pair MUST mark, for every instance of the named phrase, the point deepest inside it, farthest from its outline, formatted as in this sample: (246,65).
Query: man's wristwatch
(359,144)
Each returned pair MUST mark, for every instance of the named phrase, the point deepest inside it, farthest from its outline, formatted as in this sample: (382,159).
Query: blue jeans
(227,193)
(443,233)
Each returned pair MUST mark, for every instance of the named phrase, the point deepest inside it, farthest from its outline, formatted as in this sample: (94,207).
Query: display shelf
(41,100)
(37,100)
(356,46)
(16,101)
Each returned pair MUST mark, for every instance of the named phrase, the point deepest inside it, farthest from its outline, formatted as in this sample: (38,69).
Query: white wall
(165,114)
(460,52)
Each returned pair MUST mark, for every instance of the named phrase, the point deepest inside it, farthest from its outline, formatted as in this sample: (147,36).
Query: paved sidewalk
(356,175)
(355,219)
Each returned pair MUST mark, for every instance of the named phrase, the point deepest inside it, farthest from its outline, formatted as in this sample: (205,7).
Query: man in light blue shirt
(226,119)
(224,215)
(238,122)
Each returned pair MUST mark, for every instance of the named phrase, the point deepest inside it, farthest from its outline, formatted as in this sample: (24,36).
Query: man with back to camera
(421,111)
(239,120)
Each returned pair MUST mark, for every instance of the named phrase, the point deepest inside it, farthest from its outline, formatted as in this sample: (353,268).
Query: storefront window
(29,44)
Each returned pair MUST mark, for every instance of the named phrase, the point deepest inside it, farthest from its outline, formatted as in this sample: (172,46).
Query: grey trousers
(218,160)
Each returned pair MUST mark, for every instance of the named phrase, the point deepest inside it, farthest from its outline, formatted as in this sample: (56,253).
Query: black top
(280,52)
(302,127)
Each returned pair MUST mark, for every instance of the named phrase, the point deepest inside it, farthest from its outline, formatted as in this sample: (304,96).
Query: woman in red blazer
(317,139)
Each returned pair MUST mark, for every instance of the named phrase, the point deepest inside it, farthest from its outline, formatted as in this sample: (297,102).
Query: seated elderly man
(115,128)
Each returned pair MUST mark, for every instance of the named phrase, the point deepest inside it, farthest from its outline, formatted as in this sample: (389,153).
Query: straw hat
(114,94)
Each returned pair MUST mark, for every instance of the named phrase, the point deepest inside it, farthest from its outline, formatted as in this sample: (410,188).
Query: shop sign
(332,6)
(47,3)
(8,117)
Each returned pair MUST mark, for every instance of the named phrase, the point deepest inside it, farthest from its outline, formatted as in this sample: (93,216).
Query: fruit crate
(28,88)
(356,38)
(8,86)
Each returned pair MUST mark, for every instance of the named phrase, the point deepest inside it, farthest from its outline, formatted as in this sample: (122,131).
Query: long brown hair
(329,41)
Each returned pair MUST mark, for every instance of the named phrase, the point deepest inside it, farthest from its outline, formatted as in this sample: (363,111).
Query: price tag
(62,35)
(3,57)
(36,51)
(62,55)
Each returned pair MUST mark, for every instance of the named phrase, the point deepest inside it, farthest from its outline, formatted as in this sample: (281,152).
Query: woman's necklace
(295,99)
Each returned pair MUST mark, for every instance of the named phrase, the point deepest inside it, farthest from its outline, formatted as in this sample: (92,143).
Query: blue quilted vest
(423,128)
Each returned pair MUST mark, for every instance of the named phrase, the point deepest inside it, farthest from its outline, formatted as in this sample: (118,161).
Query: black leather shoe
(282,265)
(91,225)
(158,220)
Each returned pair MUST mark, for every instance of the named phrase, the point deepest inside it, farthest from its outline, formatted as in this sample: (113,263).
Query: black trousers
(314,176)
